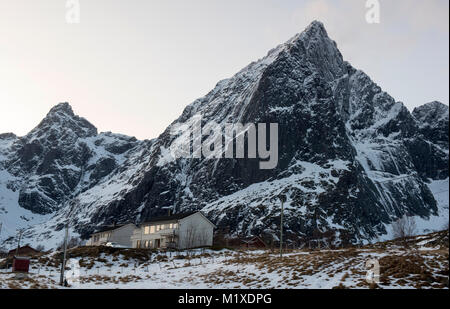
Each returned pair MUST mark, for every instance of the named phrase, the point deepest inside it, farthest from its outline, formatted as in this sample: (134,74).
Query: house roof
(21,248)
(110,228)
(171,217)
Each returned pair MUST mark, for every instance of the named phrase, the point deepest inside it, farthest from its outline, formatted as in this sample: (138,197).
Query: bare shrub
(404,227)
(73,242)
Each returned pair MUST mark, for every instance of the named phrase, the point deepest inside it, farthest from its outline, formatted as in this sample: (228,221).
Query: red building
(23,251)
(21,264)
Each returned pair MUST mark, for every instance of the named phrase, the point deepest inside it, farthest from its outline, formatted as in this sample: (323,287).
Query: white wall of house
(155,234)
(121,235)
(195,231)
(98,239)
(190,232)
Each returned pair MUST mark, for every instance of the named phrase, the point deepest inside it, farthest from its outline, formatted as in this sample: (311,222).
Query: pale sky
(132,66)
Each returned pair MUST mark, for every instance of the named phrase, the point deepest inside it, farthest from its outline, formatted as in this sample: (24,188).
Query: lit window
(138,244)
(147,230)
(146,244)
(152,229)
(171,226)
(175,225)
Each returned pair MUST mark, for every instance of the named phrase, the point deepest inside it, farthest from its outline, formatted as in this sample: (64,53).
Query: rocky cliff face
(59,159)
(351,159)
(430,150)
(62,156)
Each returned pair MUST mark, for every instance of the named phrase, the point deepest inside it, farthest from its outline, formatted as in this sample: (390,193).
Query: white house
(180,231)
(120,234)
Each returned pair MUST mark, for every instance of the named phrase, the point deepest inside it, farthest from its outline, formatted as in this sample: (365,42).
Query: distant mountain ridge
(351,159)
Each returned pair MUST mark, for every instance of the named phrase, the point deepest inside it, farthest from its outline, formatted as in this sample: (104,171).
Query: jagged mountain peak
(431,113)
(8,136)
(62,122)
(307,56)
(60,157)
(432,121)
(314,31)
(62,108)
(316,25)
(314,52)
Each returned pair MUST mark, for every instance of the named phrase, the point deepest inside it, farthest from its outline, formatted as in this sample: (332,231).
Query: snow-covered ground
(440,190)
(423,265)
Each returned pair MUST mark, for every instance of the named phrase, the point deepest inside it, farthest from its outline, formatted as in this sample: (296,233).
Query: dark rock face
(433,122)
(430,150)
(353,140)
(351,158)
(59,158)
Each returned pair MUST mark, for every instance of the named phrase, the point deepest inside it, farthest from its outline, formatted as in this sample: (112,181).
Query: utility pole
(18,241)
(1,225)
(282,199)
(63,264)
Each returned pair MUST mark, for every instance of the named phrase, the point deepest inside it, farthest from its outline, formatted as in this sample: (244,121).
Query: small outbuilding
(21,264)
(23,251)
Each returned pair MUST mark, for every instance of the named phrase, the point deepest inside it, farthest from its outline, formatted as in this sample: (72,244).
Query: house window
(171,226)
(147,230)
(175,225)
(151,243)
(138,244)
(152,229)
(158,228)
(146,244)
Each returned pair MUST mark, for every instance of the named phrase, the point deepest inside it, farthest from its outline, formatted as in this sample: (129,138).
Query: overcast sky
(132,66)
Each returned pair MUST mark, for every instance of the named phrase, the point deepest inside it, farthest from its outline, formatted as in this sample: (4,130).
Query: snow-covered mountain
(351,159)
